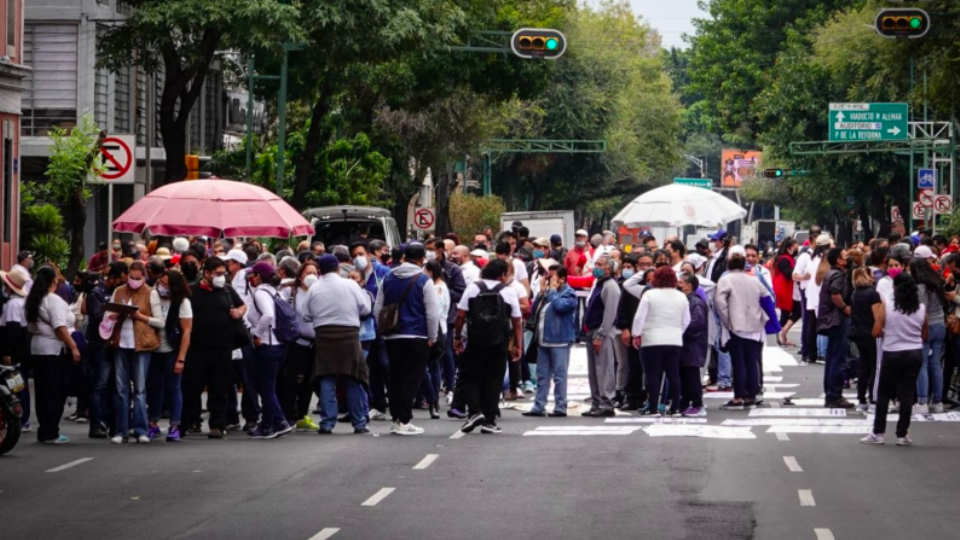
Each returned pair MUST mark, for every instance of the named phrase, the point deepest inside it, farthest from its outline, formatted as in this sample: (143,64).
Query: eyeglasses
(220,274)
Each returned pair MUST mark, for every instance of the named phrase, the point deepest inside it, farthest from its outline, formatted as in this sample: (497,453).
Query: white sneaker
(395,427)
(143,439)
(116,440)
(409,429)
(936,408)
(377,415)
(862,407)
(904,441)
(872,438)
(872,409)
(921,408)
(894,407)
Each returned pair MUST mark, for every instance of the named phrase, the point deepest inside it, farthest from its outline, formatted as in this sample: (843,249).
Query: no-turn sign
(424,218)
(919,211)
(119,159)
(942,204)
(926,197)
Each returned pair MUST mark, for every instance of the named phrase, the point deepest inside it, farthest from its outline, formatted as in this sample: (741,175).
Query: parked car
(345,224)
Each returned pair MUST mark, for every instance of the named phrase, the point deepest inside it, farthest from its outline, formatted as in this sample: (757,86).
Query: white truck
(767,232)
(543,223)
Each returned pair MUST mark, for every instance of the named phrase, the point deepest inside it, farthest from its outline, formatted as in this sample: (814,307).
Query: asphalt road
(621,482)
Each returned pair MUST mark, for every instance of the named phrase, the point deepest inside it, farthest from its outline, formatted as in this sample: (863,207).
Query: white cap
(582,232)
(737,250)
(180,245)
(923,252)
(479,253)
(236,255)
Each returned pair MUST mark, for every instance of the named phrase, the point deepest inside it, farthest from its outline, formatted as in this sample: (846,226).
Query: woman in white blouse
(52,349)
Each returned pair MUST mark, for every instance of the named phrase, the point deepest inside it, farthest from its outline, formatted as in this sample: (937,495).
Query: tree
(74,161)
(181,38)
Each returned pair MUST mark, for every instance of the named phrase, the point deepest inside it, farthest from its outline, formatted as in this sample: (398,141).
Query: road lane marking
(775,404)
(378,496)
(823,534)
(324,534)
(425,462)
(457,435)
(782,436)
(71,464)
(792,464)
(806,497)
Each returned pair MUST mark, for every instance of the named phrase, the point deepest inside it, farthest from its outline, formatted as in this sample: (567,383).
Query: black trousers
(379,366)
(691,389)
(867,347)
(660,361)
(898,377)
(213,369)
(50,375)
(481,370)
(408,363)
(633,391)
(809,335)
(293,383)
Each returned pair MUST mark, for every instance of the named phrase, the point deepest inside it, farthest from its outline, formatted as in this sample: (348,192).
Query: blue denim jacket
(559,323)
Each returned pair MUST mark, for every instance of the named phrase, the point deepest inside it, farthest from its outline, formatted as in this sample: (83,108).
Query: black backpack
(488,323)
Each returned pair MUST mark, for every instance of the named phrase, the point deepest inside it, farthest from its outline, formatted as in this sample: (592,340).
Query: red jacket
(783,286)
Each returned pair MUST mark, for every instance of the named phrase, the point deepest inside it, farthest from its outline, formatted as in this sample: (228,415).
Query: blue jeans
(268,359)
(822,346)
(552,362)
(448,365)
(101,391)
(724,369)
(163,388)
(131,366)
(356,401)
(836,362)
(930,382)
(745,358)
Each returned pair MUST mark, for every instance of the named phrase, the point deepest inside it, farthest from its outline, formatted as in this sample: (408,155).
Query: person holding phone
(554,312)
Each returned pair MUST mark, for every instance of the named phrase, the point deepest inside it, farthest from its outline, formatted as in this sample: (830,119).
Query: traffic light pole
(532,146)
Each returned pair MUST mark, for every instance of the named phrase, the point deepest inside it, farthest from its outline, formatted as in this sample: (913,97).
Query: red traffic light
(902,23)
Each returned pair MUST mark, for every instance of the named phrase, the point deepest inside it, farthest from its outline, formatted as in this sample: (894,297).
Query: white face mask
(219,281)
(360,263)
(310,280)
(431,256)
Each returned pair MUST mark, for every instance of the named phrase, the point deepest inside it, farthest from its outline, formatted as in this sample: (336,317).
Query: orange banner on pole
(740,165)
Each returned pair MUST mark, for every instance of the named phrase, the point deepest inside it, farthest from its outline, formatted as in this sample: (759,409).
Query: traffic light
(780,173)
(773,173)
(193,167)
(538,43)
(908,23)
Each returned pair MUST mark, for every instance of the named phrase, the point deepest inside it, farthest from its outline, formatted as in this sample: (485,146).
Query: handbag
(388,320)
(241,336)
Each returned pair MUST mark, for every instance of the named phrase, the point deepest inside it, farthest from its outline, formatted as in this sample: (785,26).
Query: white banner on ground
(835,430)
(654,420)
(709,432)
(796,422)
(830,413)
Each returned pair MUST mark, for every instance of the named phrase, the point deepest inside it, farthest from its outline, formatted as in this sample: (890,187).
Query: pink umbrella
(213,208)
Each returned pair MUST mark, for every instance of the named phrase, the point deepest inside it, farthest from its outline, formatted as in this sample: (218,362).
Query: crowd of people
(377,332)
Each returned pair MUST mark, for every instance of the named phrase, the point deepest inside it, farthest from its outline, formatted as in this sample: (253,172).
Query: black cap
(102,246)
(23,255)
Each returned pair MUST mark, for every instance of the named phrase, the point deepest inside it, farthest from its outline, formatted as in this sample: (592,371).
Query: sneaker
(529,387)
(195,428)
(725,389)
(533,413)
(83,418)
(733,406)
(510,396)
(154,432)
(921,408)
(490,428)
(872,409)
(409,429)
(26,428)
(841,403)
(449,398)
(307,424)
(456,413)
(324,431)
(59,440)
(750,404)
(863,408)
(173,434)
(711,388)
(217,434)
(936,408)
(143,439)
(472,424)
(395,427)
(558,414)
(248,425)
(378,415)
(694,412)
(235,427)
(260,433)
(360,431)
(118,440)
(281,428)
(873,438)
(904,441)
(73,417)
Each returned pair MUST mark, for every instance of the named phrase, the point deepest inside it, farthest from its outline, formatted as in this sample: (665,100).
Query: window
(7,182)
(121,100)
(143,80)
(101,81)
(50,91)
(12,28)
(212,136)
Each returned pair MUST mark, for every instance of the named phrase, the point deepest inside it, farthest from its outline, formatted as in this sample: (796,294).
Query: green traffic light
(915,22)
(552,44)
(779,173)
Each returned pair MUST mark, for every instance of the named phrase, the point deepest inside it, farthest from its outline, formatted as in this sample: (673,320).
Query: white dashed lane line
(823,534)
(66,466)
(324,534)
(457,435)
(792,464)
(378,496)
(425,462)
(806,498)
(782,436)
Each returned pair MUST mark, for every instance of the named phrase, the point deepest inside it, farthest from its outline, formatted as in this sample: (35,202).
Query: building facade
(12,73)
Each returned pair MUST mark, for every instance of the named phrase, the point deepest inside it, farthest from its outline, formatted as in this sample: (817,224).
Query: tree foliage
(470,214)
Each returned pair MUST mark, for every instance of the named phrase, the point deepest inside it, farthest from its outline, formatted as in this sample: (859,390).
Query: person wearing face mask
(166,364)
(453,280)
(894,266)
(626,308)
(598,319)
(832,321)
(576,258)
(243,366)
(100,359)
(373,273)
(116,250)
(137,338)
(190,266)
(787,290)
(293,386)
(216,308)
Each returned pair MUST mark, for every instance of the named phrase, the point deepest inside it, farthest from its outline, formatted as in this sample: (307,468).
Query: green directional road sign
(858,122)
(704,183)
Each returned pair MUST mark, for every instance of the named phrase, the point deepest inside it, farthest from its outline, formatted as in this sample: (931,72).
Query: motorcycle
(11,410)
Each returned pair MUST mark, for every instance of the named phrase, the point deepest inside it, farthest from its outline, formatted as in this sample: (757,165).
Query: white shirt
(334,301)
(885,288)
(186,312)
(903,332)
(263,315)
(54,313)
(662,318)
(443,298)
(471,273)
(813,289)
(127,339)
(520,270)
(13,311)
(801,267)
(307,333)
(508,293)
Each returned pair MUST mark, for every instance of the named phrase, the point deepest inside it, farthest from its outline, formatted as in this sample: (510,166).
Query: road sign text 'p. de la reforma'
(860,122)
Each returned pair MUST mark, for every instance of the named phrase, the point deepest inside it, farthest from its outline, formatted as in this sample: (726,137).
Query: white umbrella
(676,205)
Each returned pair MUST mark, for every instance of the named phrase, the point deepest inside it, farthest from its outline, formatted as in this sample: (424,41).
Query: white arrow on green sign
(704,183)
(858,122)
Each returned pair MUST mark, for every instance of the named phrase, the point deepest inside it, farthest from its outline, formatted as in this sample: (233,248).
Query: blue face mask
(627,274)
(598,273)
(537,254)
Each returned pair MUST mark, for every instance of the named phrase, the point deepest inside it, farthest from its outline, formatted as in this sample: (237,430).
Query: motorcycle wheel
(9,431)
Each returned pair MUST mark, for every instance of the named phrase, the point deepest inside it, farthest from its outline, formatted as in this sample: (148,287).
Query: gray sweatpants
(602,372)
